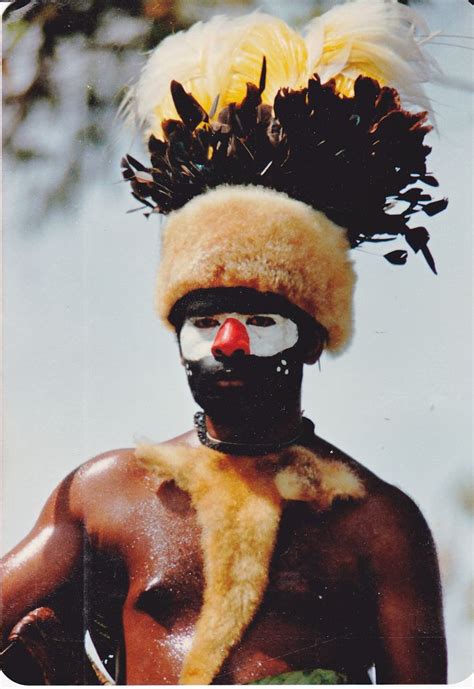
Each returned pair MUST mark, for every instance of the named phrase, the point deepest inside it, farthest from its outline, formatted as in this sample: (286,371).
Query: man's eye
(205,322)
(260,321)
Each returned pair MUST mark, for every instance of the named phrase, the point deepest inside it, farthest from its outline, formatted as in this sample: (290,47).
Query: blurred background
(87,367)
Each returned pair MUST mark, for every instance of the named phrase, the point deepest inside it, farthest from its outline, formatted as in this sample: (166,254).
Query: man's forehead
(234,300)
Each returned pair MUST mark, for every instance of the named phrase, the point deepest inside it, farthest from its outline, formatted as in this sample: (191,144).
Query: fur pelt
(238,503)
(236,236)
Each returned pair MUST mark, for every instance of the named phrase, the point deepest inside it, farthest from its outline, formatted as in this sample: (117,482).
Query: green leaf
(305,677)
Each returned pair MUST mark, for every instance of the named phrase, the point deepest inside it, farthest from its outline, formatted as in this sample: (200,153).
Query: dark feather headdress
(346,147)
(353,157)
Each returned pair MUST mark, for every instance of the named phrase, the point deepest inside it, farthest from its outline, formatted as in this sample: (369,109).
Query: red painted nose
(231,337)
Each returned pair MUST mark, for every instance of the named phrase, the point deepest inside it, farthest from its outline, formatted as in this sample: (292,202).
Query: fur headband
(259,238)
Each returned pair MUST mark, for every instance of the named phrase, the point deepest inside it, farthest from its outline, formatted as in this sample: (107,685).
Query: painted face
(241,364)
(227,334)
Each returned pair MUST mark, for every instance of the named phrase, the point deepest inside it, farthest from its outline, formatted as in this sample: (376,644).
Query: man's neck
(272,428)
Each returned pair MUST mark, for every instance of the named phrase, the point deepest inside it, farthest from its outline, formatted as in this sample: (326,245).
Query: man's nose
(232,337)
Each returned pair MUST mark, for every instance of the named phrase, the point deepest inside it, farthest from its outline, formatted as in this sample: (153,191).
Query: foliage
(305,677)
(67,64)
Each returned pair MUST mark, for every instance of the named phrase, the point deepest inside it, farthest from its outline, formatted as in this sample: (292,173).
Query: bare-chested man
(250,547)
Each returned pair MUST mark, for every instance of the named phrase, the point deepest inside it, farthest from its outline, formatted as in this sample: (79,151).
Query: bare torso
(321,607)
(314,613)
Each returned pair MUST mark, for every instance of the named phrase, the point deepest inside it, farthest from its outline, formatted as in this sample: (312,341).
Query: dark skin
(349,588)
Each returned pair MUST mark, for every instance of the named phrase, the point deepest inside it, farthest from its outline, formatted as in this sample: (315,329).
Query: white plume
(180,56)
(381,39)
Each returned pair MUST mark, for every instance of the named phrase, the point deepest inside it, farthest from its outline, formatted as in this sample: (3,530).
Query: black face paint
(245,387)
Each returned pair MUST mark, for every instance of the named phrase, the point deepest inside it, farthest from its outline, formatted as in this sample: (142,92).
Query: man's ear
(315,340)
(314,351)
(178,342)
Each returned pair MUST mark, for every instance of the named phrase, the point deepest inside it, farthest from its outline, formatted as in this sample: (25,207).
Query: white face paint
(269,334)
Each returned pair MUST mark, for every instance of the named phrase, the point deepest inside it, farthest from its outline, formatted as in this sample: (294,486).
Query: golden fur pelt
(238,503)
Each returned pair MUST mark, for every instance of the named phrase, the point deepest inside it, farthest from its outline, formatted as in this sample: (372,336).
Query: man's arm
(411,646)
(44,561)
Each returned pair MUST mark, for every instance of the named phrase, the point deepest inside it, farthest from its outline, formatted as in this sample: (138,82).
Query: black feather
(352,158)
(398,258)
(187,107)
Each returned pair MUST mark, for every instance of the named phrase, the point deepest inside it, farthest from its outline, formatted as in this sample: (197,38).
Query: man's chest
(314,596)
(159,543)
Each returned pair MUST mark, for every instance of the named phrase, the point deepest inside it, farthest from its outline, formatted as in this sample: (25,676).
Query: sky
(88,367)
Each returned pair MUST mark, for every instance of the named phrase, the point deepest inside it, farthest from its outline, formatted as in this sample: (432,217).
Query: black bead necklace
(247,449)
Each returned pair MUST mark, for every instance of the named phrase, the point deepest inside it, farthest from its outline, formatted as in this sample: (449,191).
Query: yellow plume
(218,58)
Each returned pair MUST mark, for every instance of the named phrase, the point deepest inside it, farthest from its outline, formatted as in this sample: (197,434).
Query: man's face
(242,352)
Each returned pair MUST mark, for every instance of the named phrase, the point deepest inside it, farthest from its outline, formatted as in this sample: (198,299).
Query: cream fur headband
(259,238)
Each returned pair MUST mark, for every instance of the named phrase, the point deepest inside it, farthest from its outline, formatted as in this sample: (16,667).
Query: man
(349,586)
(249,547)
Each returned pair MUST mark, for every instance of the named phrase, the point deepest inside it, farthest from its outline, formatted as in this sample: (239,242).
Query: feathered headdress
(316,117)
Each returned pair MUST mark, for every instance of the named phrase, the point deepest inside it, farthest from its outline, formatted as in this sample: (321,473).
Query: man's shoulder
(112,482)
(106,465)
(373,484)
(385,512)
(388,509)
(121,460)
(117,466)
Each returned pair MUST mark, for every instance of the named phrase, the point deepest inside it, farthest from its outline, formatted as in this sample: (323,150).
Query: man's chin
(226,392)
(230,401)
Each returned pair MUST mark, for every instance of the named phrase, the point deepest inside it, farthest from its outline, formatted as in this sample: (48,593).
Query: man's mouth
(229,378)
(230,383)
